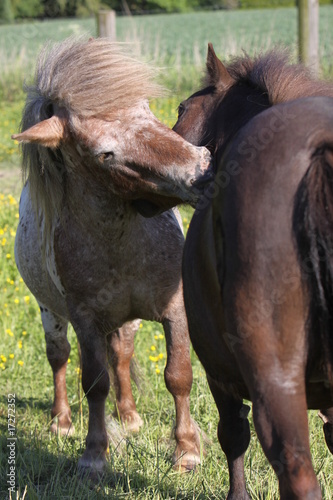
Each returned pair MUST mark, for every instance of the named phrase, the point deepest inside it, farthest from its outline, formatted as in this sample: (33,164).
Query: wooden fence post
(106,24)
(308,33)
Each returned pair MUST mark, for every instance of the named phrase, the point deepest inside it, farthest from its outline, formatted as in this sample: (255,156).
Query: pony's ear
(48,133)
(218,75)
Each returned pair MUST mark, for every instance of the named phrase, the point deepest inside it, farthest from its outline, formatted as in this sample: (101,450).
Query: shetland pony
(257,264)
(95,158)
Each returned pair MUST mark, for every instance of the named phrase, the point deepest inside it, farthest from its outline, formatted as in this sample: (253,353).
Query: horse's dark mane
(273,74)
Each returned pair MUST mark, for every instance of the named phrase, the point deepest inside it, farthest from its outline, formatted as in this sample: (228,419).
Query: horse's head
(211,116)
(196,114)
(128,152)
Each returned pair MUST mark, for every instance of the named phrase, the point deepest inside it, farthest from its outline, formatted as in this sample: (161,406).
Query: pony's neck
(90,200)
(237,108)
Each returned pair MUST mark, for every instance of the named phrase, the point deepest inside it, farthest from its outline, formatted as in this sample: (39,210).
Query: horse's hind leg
(327,418)
(234,438)
(122,349)
(178,379)
(57,350)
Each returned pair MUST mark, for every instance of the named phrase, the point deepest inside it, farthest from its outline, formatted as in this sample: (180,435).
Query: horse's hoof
(187,462)
(90,469)
(65,430)
(132,423)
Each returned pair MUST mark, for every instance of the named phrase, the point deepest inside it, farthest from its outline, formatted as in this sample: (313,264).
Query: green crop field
(139,466)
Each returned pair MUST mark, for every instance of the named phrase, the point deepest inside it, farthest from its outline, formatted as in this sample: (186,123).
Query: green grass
(177,42)
(139,467)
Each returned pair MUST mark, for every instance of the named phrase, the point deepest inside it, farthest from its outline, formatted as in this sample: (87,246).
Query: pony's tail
(313,231)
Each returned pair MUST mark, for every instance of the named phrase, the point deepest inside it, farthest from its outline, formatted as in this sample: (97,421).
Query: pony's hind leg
(121,353)
(57,350)
(327,418)
(178,379)
(234,438)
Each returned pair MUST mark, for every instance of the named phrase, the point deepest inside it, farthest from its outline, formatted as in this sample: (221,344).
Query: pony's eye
(106,156)
(181,109)
(49,110)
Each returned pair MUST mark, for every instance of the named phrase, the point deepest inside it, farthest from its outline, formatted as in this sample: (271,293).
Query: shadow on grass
(48,474)
(31,402)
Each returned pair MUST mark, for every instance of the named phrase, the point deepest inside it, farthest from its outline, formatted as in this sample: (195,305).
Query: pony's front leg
(178,379)
(327,418)
(234,437)
(57,350)
(122,349)
(96,385)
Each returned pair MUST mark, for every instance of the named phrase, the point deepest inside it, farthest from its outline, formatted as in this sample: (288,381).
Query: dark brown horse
(257,265)
(95,158)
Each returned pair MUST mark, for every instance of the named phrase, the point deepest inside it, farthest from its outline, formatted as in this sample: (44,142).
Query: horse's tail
(313,231)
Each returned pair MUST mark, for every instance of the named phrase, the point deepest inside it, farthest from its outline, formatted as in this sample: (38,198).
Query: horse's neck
(240,105)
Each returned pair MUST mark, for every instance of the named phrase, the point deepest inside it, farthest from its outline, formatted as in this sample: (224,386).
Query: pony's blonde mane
(89,78)
(273,74)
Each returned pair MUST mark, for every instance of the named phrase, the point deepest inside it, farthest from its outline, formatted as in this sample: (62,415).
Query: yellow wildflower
(20,362)
(16,301)
(152,348)
(26,299)
(24,332)
(158,371)
(9,332)
(11,356)
(19,344)
(8,255)
(3,358)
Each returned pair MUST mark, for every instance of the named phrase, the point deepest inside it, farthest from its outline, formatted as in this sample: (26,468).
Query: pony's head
(87,114)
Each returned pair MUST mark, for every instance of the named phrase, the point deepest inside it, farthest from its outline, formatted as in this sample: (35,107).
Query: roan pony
(95,157)
(257,264)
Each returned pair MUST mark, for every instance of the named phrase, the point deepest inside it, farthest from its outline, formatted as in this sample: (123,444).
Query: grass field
(139,466)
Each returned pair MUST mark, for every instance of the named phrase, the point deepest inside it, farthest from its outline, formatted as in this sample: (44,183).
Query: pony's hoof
(63,430)
(132,423)
(93,470)
(188,462)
